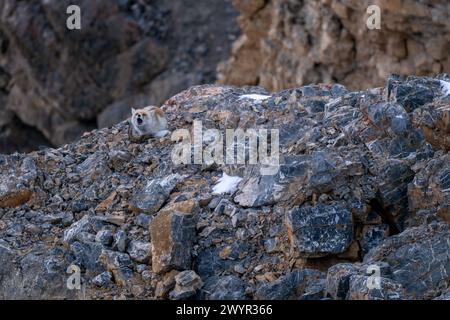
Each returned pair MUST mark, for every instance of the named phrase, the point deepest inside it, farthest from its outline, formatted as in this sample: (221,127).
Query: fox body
(149,121)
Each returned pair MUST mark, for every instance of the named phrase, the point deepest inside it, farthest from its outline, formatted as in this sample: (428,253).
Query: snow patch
(445,87)
(226,184)
(254,96)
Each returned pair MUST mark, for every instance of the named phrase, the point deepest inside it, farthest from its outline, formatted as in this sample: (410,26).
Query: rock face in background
(360,186)
(288,43)
(57,83)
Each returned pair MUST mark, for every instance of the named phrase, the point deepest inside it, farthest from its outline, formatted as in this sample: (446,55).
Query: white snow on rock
(254,96)
(226,184)
(445,87)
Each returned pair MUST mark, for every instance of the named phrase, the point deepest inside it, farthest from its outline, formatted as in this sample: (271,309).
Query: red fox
(150,121)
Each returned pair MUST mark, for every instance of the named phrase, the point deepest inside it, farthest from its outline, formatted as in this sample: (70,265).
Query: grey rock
(372,236)
(105,237)
(418,258)
(120,241)
(320,230)
(412,96)
(143,220)
(338,279)
(187,284)
(119,264)
(84,228)
(224,288)
(150,198)
(17,179)
(388,290)
(86,254)
(140,251)
(289,286)
(104,279)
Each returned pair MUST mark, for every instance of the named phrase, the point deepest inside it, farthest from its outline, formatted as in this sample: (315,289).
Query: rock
(140,251)
(359,290)
(151,198)
(104,279)
(44,274)
(372,236)
(173,235)
(321,230)
(82,225)
(429,190)
(419,253)
(411,96)
(224,288)
(86,253)
(433,120)
(444,296)
(289,286)
(166,285)
(338,280)
(17,180)
(120,241)
(314,290)
(119,264)
(105,237)
(86,226)
(187,284)
(143,220)
(118,159)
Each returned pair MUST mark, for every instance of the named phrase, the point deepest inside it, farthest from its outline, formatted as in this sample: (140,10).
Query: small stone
(187,284)
(164,287)
(16,182)
(119,264)
(372,236)
(150,198)
(360,290)
(224,288)
(120,241)
(105,237)
(104,279)
(239,269)
(147,275)
(143,220)
(289,285)
(139,251)
(137,290)
(225,252)
(270,245)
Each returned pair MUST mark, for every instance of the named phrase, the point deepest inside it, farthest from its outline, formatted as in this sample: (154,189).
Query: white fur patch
(162,133)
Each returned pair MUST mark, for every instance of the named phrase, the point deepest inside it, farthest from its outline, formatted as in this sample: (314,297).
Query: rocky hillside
(363,183)
(287,43)
(56,83)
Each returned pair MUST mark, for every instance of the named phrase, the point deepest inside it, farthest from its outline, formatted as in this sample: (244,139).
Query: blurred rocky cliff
(286,43)
(57,83)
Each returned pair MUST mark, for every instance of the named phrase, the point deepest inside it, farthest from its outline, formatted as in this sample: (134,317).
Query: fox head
(142,116)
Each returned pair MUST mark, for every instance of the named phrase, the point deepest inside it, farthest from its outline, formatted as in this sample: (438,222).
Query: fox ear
(133,110)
